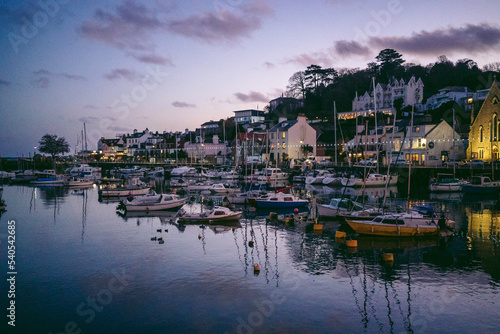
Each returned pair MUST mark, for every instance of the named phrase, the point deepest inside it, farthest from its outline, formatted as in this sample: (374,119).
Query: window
(419,142)
(481,134)
(278,145)
(272,135)
(495,129)
(283,144)
(283,134)
(272,146)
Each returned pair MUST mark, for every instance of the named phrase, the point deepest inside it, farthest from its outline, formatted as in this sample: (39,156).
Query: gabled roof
(283,126)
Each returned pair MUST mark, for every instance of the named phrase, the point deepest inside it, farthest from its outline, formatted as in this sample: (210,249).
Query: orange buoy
(340,234)
(256,267)
(351,243)
(387,257)
(317,227)
(199,236)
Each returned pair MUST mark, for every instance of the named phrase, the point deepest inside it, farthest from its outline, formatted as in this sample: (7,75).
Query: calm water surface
(82,268)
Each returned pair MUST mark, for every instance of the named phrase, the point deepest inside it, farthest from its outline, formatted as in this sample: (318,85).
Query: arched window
(481,134)
(495,127)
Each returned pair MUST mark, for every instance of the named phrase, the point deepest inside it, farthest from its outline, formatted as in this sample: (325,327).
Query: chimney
(301,118)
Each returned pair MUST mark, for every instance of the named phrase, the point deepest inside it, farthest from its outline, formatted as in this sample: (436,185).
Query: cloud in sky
(41,82)
(251,97)
(179,104)
(122,73)
(126,28)
(69,76)
(469,38)
(153,59)
(223,24)
(4,83)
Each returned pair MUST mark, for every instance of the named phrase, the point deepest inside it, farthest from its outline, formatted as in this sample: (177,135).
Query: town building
(385,95)
(460,95)
(292,139)
(485,127)
(249,116)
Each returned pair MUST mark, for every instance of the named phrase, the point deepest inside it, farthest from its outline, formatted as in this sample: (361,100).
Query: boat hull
(156,206)
(278,205)
(445,187)
(198,219)
(123,192)
(480,189)
(369,228)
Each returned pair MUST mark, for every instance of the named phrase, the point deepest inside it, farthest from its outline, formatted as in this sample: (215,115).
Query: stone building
(485,128)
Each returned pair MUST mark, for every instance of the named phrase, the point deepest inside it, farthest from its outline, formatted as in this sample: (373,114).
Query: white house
(431,144)
(449,93)
(289,138)
(410,92)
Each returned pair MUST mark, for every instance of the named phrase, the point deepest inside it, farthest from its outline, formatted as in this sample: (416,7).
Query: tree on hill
(52,145)
(389,63)
(297,85)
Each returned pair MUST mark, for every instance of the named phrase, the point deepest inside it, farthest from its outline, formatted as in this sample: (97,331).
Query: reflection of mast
(84,211)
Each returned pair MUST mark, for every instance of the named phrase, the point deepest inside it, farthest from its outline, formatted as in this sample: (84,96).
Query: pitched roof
(283,126)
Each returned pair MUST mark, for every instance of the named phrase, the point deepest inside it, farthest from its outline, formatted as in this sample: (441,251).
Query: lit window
(283,135)
(283,144)
(272,146)
(278,145)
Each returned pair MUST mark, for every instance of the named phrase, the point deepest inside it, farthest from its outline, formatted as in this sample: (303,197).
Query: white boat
(184,171)
(7,175)
(272,174)
(154,202)
(217,214)
(135,171)
(85,171)
(178,183)
(338,207)
(243,198)
(200,186)
(230,175)
(333,180)
(133,187)
(446,184)
(221,188)
(76,181)
(372,180)
(318,177)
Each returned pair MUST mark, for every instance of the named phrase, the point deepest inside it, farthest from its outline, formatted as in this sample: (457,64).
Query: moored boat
(280,200)
(217,214)
(372,180)
(481,185)
(133,187)
(154,202)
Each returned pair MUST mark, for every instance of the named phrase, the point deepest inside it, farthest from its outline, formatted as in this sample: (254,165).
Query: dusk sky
(171,65)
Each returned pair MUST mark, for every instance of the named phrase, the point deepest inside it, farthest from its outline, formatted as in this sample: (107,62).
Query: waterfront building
(485,128)
(460,95)
(111,149)
(292,139)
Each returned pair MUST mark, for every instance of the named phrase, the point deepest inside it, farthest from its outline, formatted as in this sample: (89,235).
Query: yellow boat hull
(369,228)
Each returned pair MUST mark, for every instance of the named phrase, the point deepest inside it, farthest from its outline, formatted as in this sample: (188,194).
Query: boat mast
(376,129)
(85,141)
(411,160)
(390,159)
(335,129)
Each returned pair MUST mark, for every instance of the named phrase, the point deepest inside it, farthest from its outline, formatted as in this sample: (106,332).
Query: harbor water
(83,267)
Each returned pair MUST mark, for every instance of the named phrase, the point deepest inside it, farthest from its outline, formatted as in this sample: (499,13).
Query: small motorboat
(280,200)
(154,202)
(133,187)
(217,214)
